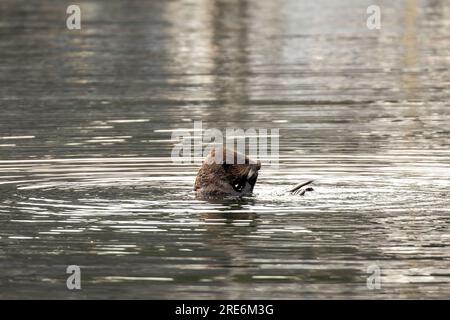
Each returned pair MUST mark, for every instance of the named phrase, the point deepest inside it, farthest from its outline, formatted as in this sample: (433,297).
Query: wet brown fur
(227,178)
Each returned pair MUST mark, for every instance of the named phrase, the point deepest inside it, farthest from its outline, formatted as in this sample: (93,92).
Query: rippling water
(86,176)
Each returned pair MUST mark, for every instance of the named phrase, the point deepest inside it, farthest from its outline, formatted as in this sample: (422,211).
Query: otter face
(242,177)
(233,174)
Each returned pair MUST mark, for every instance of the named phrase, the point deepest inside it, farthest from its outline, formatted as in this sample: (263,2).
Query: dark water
(86,176)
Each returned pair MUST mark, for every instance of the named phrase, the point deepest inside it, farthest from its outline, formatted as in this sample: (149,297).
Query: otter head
(227,172)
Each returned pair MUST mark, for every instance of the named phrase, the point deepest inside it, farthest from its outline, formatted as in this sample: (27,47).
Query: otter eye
(238,186)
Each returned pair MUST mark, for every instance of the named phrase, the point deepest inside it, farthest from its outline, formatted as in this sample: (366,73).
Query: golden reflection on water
(410,47)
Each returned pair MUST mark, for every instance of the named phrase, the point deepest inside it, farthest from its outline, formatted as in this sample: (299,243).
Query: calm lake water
(86,176)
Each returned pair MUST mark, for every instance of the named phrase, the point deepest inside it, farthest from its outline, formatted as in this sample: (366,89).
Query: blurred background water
(86,176)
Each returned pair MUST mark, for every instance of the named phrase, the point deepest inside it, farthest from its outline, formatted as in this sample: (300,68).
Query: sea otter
(226,173)
(230,173)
